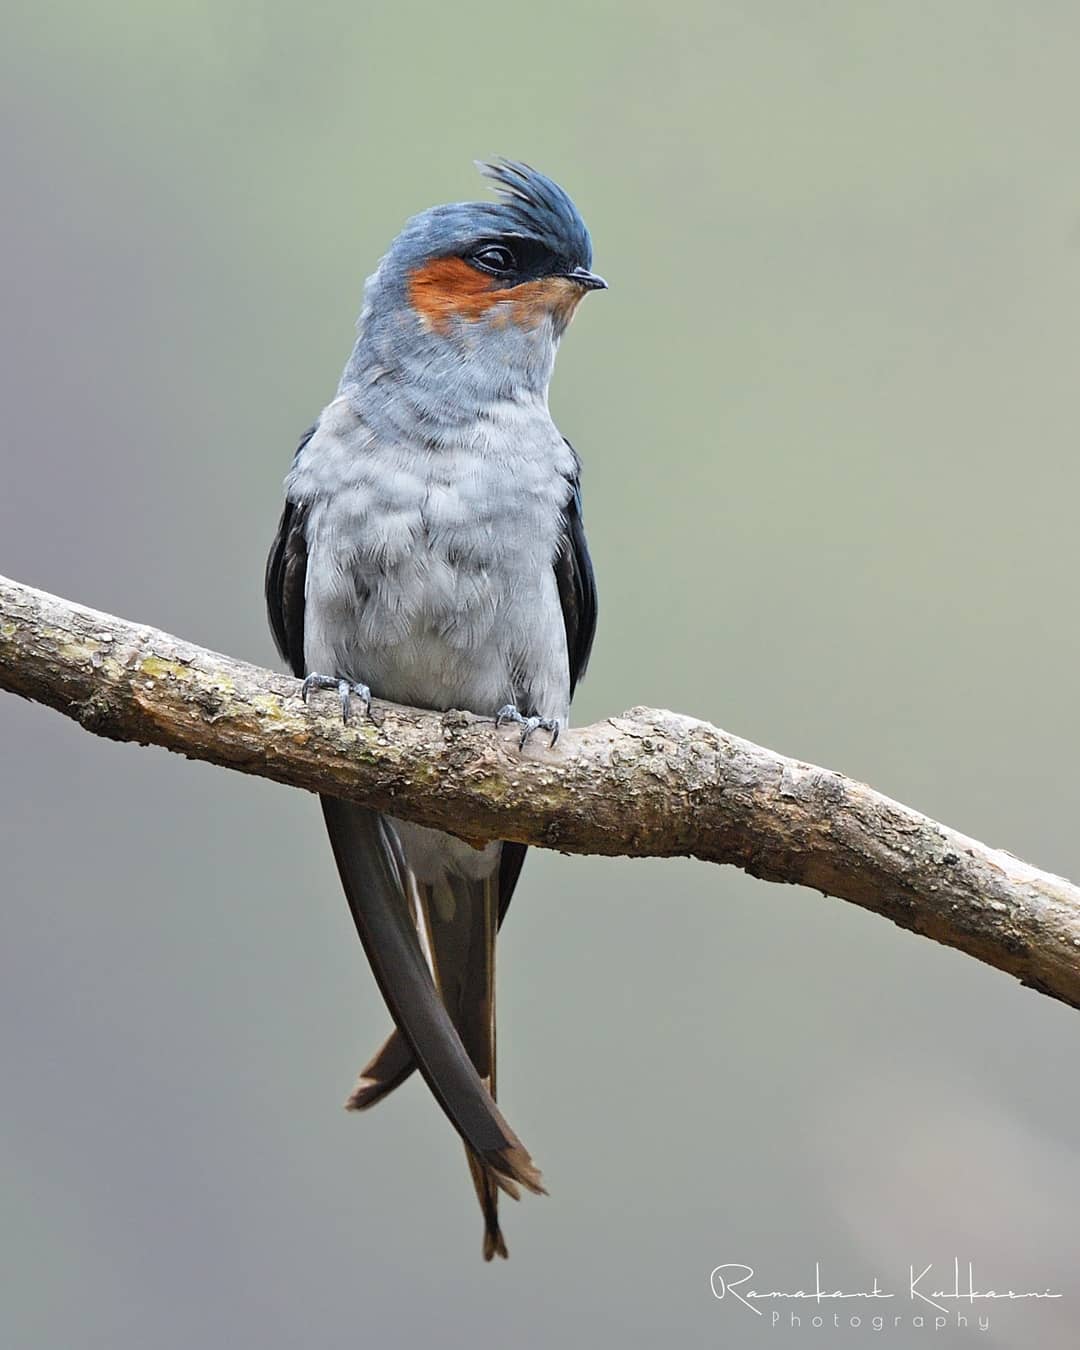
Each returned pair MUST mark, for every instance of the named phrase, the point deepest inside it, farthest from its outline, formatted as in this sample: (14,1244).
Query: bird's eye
(494,258)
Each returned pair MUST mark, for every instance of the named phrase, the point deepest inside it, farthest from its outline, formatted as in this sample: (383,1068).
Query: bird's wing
(376,885)
(577,584)
(286,579)
(393,1062)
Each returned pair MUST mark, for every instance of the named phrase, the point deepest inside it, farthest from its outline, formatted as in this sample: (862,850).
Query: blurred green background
(828,416)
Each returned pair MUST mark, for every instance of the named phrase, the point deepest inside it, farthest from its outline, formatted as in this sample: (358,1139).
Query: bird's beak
(588,281)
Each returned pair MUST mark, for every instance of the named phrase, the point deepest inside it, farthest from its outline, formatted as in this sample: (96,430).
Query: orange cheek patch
(448,288)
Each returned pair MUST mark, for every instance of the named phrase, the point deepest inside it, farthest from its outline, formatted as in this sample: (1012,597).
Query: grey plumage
(431,548)
(448,549)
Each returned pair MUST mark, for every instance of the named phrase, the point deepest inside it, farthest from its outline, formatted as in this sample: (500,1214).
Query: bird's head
(479,293)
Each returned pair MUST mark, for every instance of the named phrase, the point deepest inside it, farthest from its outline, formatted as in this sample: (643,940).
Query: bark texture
(646,784)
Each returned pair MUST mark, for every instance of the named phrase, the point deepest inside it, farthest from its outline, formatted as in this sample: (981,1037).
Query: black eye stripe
(514,258)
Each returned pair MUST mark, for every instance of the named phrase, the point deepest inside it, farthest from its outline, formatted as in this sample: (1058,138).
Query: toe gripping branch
(346,690)
(528,724)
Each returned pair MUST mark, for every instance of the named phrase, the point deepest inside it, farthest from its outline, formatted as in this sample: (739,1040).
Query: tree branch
(646,784)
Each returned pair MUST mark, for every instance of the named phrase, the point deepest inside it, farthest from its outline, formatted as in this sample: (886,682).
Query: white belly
(431,579)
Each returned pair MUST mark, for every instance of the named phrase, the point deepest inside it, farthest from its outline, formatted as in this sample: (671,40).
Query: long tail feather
(387,1069)
(474,1015)
(393,1062)
(487,1192)
(377,899)
(458,921)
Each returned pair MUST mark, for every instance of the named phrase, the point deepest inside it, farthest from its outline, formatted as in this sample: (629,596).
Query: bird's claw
(346,690)
(528,724)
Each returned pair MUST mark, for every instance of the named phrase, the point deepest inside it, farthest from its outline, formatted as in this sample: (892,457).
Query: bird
(431,552)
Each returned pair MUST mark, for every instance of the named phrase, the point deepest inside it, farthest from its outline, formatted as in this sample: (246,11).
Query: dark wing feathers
(286,574)
(577,585)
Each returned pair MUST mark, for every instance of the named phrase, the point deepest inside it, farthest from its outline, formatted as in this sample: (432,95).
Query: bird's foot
(346,690)
(528,724)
